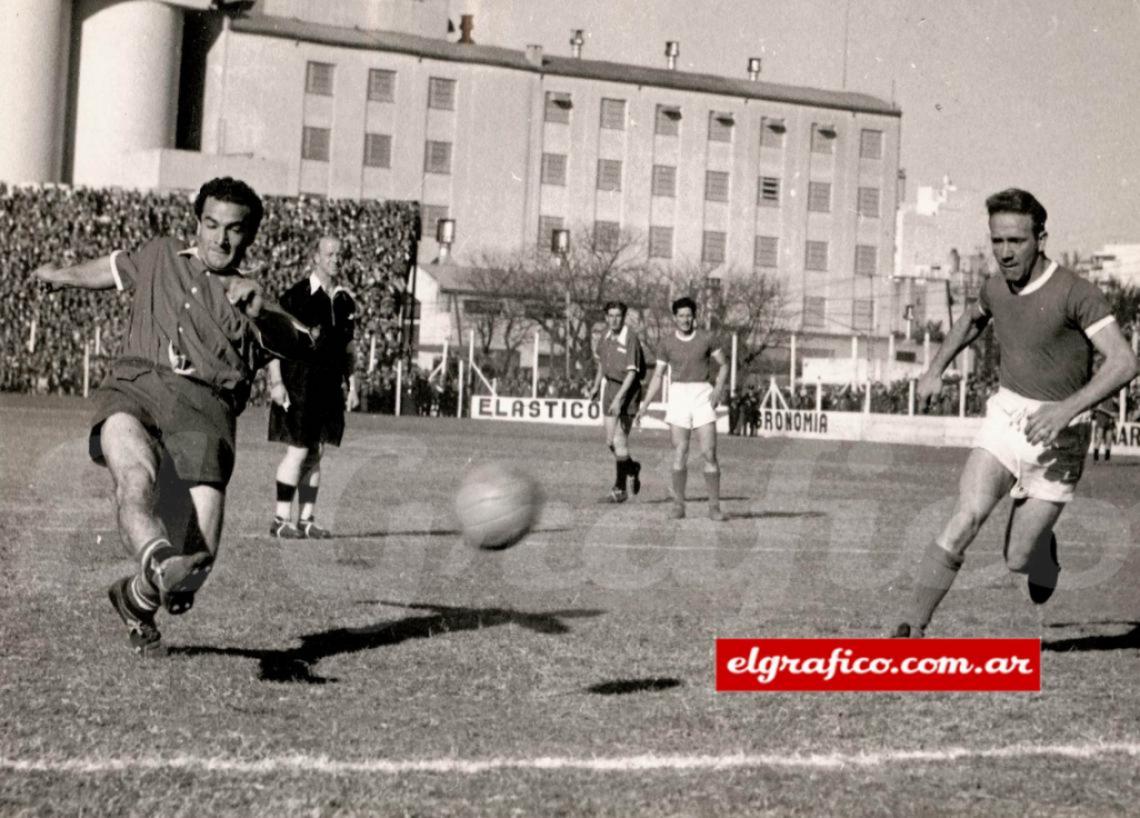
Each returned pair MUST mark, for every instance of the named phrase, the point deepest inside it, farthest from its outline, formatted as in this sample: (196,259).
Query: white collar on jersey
(1039,283)
(680,337)
(192,252)
(314,284)
(621,336)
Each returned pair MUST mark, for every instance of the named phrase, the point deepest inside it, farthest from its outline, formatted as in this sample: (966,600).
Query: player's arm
(277,392)
(963,333)
(277,331)
(96,274)
(623,390)
(597,384)
(1119,368)
(721,376)
(654,385)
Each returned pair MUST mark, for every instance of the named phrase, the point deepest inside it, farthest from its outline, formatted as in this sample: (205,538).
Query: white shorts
(1045,472)
(690,405)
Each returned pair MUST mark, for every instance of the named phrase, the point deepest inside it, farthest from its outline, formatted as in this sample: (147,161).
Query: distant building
(1116,261)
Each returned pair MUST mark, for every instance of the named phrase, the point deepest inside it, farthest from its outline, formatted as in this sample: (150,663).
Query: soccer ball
(497,504)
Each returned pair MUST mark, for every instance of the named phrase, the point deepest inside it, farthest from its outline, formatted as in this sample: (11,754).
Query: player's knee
(961,529)
(135,487)
(1018,557)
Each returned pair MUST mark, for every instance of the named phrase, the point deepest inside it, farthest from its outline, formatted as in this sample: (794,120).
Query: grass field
(394,671)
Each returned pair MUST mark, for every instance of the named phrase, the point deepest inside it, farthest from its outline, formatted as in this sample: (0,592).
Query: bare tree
(497,308)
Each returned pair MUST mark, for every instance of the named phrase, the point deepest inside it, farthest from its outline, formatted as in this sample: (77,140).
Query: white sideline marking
(614,764)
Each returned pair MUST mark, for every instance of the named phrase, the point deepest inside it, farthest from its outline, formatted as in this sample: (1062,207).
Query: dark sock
(285,492)
(936,573)
(679,478)
(622,464)
(307,494)
(712,484)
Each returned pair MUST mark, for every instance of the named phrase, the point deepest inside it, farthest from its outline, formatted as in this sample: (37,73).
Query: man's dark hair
(615,305)
(682,302)
(235,191)
(1016,200)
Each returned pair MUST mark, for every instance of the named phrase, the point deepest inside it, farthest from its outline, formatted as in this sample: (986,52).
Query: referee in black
(308,395)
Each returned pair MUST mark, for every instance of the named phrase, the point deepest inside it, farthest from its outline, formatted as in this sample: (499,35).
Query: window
(319,78)
(546,227)
(613,114)
(315,144)
(819,197)
(813,312)
(554,169)
(868,203)
(609,174)
(441,94)
(768,192)
(607,236)
(772,134)
(863,318)
(712,246)
(381,85)
(816,256)
(720,126)
(437,157)
(661,242)
(866,259)
(377,150)
(822,141)
(767,252)
(871,144)
(664,181)
(716,186)
(430,216)
(558,107)
(668,120)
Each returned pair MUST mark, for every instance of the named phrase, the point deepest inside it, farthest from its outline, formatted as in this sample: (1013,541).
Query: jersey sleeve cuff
(1096,326)
(115,270)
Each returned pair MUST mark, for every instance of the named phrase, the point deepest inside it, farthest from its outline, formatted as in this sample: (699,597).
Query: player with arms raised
(165,416)
(621,366)
(687,353)
(1048,321)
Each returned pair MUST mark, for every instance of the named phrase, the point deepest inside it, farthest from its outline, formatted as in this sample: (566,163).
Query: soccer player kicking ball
(692,401)
(308,395)
(165,416)
(621,365)
(1032,445)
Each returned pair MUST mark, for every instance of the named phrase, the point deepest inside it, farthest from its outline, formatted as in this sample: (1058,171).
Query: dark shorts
(191,421)
(312,418)
(629,406)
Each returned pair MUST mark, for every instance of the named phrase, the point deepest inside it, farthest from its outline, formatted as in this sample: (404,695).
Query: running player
(165,416)
(1104,427)
(309,395)
(686,353)
(621,366)
(1032,446)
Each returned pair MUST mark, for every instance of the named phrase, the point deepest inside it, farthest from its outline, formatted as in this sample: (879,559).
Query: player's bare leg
(706,440)
(289,473)
(984,482)
(307,495)
(1031,546)
(680,437)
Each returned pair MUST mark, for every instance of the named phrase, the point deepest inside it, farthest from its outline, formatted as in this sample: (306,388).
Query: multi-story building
(368,99)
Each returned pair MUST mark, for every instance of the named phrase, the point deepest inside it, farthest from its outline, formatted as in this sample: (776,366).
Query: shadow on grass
(427,532)
(692,499)
(297,664)
(1129,640)
(775,515)
(620,687)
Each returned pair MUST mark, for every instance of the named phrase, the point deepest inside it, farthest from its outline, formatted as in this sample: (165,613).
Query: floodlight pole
(560,246)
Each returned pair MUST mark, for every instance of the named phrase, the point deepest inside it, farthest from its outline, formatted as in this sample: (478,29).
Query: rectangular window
(813,312)
(546,227)
(866,259)
(871,144)
(868,203)
(558,107)
(381,85)
(661,242)
(377,150)
(607,235)
(712,246)
(819,197)
(315,144)
(319,78)
(768,192)
(864,314)
(667,121)
(609,174)
(822,141)
(720,126)
(767,252)
(613,114)
(441,94)
(716,186)
(664,181)
(554,169)
(437,157)
(430,216)
(815,256)
(772,134)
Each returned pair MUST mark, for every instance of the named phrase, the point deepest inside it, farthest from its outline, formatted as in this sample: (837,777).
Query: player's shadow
(429,532)
(700,498)
(621,687)
(1130,640)
(298,664)
(776,515)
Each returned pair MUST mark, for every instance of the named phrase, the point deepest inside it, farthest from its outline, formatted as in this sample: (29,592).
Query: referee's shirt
(330,363)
